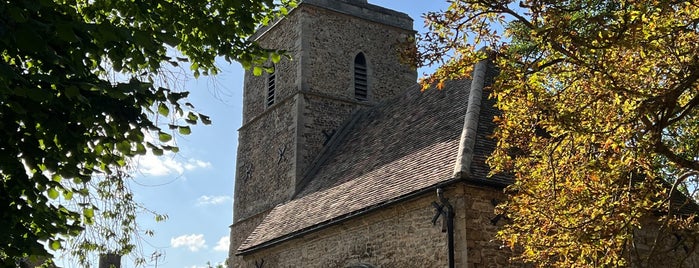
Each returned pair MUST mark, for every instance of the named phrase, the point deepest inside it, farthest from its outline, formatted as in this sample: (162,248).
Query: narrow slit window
(361,86)
(271,87)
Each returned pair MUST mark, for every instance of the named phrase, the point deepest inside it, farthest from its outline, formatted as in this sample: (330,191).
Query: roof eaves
(485,182)
(345,217)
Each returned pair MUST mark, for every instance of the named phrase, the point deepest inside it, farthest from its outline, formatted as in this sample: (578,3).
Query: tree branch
(662,149)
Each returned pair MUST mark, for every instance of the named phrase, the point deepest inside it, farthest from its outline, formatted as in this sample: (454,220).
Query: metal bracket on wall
(439,211)
(248,171)
(281,151)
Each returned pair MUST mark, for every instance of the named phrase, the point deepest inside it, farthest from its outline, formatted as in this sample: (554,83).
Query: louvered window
(361,85)
(271,87)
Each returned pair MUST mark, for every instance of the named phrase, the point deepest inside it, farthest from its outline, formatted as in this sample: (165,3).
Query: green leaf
(84,192)
(276,58)
(52,193)
(160,217)
(257,71)
(140,149)
(163,109)
(99,148)
(65,32)
(55,245)
(170,40)
(157,151)
(68,194)
(246,65)
(89,212)
(185,130)
(164,137)
(191,118)
(124,146)
(72,92)
(205,119)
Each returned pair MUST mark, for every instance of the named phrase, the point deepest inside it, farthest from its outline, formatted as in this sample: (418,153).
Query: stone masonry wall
(332,41)
(285,35)
(476,221)
(400,235)
(321,119)
(265,165)
(240,231)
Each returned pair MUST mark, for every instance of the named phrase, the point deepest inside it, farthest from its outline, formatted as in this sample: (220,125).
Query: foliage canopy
(81,84)
(599,122)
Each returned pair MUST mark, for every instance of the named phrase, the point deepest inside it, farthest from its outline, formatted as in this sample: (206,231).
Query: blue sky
(195,187)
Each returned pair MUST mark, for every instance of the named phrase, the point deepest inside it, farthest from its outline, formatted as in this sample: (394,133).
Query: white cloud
(212,200)
(223,244)
(194,242)
(212,264)
(164,165)
(194,164)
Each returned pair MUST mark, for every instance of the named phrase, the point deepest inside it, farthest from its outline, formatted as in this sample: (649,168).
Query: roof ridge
(327,150)
(338,137)
(462,168)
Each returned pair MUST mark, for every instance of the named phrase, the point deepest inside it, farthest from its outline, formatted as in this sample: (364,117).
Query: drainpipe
(444,208)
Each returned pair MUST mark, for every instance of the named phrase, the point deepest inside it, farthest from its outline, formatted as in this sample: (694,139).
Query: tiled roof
(416,133)
(389,151)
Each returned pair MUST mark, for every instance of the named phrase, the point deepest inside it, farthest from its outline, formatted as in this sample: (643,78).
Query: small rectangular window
(361,85)
(271,87)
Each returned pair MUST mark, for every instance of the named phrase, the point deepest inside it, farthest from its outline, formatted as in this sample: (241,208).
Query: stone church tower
(344,56)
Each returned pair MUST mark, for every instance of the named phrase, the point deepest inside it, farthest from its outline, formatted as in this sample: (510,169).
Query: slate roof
(386,152)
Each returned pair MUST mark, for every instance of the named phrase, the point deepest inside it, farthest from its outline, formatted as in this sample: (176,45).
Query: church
(344,162)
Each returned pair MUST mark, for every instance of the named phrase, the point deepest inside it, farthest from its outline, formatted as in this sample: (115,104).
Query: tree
(83,82)
(599,123)
(113,230)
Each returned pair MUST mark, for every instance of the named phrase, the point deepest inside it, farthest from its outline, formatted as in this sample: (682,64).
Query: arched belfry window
(361,85)
(271,86)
